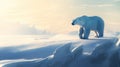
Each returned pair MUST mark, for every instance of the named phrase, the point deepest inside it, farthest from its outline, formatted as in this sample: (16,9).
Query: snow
(96,52)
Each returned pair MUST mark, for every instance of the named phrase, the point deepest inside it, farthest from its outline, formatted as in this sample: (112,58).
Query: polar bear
(89,23)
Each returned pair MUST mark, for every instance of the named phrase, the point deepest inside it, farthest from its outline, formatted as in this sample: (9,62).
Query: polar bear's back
(96,18)
(96,22)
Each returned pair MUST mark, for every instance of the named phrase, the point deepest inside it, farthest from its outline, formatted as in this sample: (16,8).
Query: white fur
(94,23)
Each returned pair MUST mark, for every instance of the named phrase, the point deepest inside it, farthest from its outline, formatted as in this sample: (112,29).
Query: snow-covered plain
(62,51)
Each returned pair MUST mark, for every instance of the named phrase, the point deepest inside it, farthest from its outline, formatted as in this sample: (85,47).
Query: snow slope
(102,52)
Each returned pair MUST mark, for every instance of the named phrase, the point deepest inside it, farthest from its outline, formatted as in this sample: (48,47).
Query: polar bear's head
(80,21)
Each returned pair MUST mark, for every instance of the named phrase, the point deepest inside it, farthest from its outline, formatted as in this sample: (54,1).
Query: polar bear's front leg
(81,33)
(86,33)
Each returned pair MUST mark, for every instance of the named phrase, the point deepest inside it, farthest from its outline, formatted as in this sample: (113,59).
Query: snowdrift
(102,52)
(10,53)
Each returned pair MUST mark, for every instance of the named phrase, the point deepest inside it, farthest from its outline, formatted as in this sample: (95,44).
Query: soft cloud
(55,15)
(20,29)
(117,0)
(105,5)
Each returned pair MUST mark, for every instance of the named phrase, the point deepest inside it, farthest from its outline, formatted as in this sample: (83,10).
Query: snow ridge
(105,53)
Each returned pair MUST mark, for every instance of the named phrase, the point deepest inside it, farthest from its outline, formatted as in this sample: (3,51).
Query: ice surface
(101,52)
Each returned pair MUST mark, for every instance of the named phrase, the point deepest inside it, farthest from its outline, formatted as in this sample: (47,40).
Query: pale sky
(56,15)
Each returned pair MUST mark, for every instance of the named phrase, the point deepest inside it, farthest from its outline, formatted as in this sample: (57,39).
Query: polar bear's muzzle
(73,24)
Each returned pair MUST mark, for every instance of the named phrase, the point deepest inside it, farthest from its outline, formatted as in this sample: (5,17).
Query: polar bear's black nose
(72,23)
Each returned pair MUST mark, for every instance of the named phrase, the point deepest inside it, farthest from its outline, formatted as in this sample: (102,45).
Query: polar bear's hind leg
(100,33)
(100,28)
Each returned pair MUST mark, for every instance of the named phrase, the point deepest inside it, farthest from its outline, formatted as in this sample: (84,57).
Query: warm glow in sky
(56,15)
